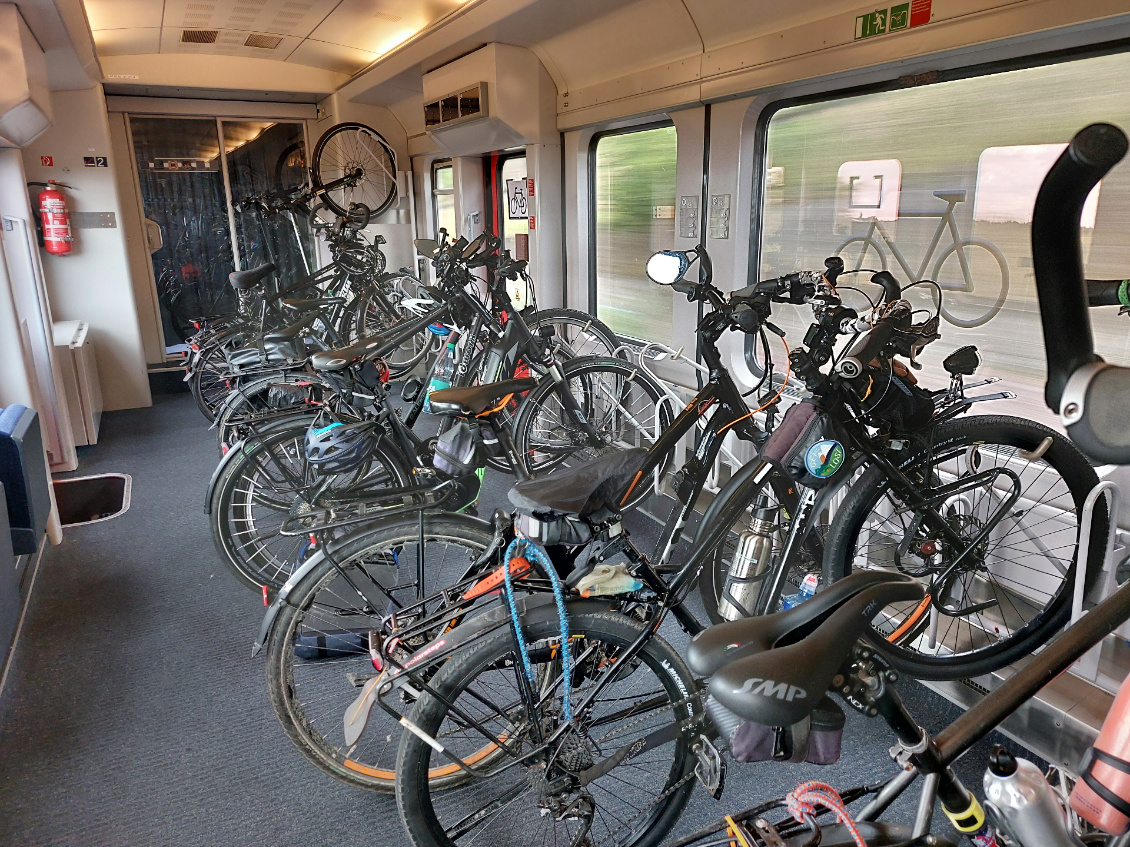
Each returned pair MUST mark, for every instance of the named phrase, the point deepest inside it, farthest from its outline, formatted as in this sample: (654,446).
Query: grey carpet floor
(134,714)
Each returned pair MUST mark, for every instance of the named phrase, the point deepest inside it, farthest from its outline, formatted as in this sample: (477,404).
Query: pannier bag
(896,400)
(457,450)
(817,739)
(805,445)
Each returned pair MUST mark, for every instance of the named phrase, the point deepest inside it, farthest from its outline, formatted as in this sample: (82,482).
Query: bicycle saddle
(242,280)
(372,347)
(774,669)
(582,490)
(289,333)
(478,398)
(956,194)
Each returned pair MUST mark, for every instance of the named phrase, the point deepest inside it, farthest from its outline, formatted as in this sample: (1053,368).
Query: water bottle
(441,374)
(752,557)
(1022,805)
(807,591)
(1102,794)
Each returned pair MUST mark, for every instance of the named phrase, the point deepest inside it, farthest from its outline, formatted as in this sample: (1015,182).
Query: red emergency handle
(56,220)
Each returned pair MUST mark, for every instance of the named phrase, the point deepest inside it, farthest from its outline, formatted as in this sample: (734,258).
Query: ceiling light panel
(127,42)
(377,26)
(123,14)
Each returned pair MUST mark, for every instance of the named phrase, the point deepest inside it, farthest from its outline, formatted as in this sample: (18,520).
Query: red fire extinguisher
(56,219)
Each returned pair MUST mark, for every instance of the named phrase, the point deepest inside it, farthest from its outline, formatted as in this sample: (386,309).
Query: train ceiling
(337,35)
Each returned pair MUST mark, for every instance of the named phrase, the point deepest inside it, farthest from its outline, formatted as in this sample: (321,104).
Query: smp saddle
(774,669)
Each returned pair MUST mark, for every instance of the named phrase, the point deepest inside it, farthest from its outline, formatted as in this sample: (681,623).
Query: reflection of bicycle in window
(971,266)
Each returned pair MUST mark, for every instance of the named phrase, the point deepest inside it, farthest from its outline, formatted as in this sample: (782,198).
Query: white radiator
(75,353)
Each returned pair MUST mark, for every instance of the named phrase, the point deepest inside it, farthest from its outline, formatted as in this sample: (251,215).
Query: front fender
(225,460)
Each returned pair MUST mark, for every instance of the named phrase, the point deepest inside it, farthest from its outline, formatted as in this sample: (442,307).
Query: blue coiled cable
(532,551)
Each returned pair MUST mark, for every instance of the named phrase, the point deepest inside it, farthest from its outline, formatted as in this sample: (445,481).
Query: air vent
(385,16)
(264,42)
(199,36)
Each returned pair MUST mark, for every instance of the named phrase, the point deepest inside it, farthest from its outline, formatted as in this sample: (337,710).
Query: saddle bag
(896,400)
(551,529)
(457,450)
(806,446)
(817,739)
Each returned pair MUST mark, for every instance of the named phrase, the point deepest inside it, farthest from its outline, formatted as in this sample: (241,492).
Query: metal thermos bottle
(1022,805)
(1107,767)
(752,557)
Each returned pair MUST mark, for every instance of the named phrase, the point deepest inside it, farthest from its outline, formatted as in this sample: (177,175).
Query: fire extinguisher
(55,218)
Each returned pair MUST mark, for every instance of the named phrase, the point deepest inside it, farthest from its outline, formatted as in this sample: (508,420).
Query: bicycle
(768,674)
(864,251)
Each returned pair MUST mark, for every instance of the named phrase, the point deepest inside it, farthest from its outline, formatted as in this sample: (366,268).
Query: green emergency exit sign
(892,19)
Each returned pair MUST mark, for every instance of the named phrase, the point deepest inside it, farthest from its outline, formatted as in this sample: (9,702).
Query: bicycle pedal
(710,769)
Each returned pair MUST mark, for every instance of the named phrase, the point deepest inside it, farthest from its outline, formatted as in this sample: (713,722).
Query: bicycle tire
(415,796)
(637,417)
(347,146)
(971,438)
(371,762)
(248,504)
(998,303)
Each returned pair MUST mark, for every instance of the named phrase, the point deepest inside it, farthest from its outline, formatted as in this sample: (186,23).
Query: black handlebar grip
(892,291)
(859,357)
(1056,254)
(1104,292)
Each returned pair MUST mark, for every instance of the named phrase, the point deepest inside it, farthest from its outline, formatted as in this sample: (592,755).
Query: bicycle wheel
(861,252)
(1012,592)
(290,167)
(270,482)
(973,295)
(337,604)
(531,798)
(211,381)
(575,333)
(621,402)
(346,149)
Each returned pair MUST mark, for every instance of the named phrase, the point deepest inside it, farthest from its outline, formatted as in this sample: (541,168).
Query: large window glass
(938,182)
(443,198)
(181,168)
(634,212)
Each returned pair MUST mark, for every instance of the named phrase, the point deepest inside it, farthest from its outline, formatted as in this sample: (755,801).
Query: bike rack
(1088,666)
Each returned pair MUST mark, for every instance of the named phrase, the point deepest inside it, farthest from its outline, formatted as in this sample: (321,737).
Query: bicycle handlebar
(1108,292)
(859,357)
(1091,397)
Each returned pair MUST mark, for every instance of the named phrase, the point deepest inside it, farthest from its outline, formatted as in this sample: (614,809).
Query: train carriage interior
(521,423)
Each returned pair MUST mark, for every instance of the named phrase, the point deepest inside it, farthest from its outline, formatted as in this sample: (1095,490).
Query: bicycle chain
(680,727)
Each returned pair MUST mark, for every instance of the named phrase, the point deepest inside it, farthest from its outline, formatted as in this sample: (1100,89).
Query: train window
(633,216)
(937,182)
(514,220)
(443,197)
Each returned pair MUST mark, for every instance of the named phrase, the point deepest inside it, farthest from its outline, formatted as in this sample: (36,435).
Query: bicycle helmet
(339,448)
